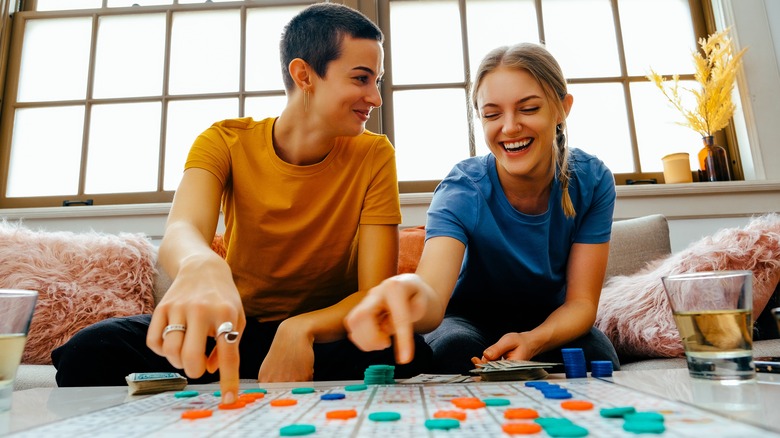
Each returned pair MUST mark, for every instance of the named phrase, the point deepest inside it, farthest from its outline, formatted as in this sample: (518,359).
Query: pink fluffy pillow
(634,312)
(81,278)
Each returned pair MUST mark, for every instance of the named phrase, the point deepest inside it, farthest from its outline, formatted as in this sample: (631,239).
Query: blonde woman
(516,241)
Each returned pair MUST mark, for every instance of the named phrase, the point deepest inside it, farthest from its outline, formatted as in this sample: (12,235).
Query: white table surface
(755,402)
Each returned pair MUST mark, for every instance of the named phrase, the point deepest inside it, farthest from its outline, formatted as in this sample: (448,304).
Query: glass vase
(713,162)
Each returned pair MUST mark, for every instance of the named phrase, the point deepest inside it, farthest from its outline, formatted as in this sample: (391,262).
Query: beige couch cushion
(635,242)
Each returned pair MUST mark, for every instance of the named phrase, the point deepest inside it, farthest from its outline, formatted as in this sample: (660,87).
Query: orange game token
(521,428)
(284,402)
(251,395)
(458,415)
(194,414)
(577,405)
(246,398)
(235,405)
(468,403)
(521,414)
(341,414)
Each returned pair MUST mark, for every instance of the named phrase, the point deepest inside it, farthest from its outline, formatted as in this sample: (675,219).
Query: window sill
(675,201)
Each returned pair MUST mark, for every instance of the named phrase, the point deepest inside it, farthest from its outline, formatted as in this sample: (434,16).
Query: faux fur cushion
(81,278)
(634,311)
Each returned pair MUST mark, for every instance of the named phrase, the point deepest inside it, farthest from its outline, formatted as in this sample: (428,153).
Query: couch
(635,244)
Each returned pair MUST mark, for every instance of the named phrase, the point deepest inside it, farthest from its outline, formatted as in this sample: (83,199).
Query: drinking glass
(16,311)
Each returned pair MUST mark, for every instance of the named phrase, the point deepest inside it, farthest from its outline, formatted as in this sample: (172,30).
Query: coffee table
(754,403)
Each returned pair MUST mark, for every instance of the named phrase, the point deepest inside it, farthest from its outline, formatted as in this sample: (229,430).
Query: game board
(483,408)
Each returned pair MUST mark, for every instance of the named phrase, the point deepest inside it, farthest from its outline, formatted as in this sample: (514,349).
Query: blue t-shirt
(514,271)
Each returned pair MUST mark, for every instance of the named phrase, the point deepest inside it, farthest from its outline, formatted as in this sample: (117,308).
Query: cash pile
(153,383)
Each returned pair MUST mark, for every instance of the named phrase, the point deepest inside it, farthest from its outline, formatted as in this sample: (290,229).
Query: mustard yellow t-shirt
(291,231)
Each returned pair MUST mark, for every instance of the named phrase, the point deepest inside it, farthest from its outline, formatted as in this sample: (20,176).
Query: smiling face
(519,123)
(344,98)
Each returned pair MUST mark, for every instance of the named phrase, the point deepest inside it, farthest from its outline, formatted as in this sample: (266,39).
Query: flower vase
(713,162)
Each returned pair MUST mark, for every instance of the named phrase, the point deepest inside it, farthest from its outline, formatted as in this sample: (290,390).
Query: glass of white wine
(16,311)
(713,313)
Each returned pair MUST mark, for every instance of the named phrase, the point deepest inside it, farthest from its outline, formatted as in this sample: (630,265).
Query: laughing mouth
(517,146)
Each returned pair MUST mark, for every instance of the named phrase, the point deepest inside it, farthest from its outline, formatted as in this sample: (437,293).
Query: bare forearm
(565,324)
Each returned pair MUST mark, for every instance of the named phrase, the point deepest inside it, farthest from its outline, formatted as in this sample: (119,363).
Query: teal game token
(255,391)
(442,424)
(186,394)
(644,416)
(546,422)
(384,416)
(302,390)
(571,430)
(359,387)
(618,412)
(297,430)
(644,427)
(496,402)
(217,393)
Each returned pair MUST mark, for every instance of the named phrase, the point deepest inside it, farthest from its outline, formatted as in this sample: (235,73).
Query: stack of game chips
(574,363)
(379,375)
(600,368)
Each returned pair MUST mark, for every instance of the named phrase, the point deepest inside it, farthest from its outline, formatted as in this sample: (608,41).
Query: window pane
(126,3)
(186,120)
(130,55)
(583,47)
(189,2)
(205,52)
(61,5)
(124,147)
(598,124)
(427,147)
(263,31)
(426,50)
(55,68)
(46,161)
(657,34)
(657,127)
(494,23)
(262,107)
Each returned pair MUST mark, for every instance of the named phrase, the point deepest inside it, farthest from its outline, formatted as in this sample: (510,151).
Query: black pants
(104,353)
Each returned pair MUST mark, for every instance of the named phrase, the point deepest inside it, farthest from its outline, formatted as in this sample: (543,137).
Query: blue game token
(537,384)
(333,396)
(601,368)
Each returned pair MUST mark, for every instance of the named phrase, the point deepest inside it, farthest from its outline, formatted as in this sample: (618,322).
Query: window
(617,115)
(102,101)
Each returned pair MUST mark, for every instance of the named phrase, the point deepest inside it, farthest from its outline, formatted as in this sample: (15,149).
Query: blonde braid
(563,172)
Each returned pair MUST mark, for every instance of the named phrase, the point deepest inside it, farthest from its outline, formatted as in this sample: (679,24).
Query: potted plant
(716,70)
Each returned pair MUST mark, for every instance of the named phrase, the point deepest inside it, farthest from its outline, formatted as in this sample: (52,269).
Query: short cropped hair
(316,33)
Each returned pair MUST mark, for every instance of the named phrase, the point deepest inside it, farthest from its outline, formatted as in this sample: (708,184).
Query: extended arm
(291,357)
(202,295)
(408,303)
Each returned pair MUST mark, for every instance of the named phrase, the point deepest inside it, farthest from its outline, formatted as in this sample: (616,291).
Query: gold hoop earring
(306,101)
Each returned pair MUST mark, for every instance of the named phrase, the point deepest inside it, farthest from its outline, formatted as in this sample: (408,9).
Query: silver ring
(226,328)
(173,328)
